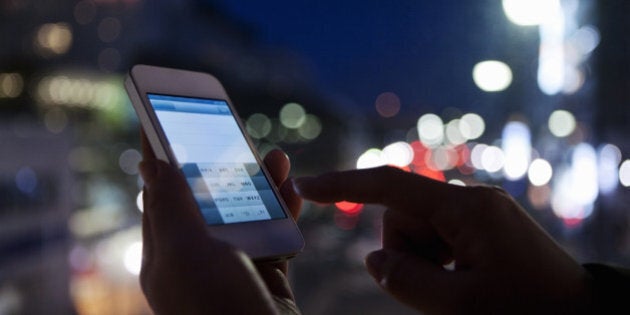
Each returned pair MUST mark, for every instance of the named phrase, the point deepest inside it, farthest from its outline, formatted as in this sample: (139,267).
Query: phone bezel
(262,240)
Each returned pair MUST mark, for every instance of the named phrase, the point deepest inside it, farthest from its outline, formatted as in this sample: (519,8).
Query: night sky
(423,51)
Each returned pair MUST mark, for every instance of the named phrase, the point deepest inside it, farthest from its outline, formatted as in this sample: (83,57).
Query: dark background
(68,181)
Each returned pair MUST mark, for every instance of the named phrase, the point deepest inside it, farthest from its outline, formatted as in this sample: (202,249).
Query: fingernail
(375,263)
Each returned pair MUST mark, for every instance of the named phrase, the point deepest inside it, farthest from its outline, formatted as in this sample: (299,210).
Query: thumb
(413,280)
(169,204)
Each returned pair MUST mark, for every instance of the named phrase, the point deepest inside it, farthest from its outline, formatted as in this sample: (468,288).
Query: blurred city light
(53,39)
(475,126)
(456,182)
(430,130)
(140,201)
(609,157)
(349,208)
(539,172)
(492,159)
(128,161)
(455,130)
(475,155)
(561,123)
(398,154)
(292,115)
(576,187)
(516,145)
(55,120)
(387,104)
(530,12)
(492,75)
(133,258)
(624,173)
(258,125)
(371,158)
(311,128)
(109,29)
(11,85)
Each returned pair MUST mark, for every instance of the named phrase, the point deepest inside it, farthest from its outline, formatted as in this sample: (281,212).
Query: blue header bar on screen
(188,104)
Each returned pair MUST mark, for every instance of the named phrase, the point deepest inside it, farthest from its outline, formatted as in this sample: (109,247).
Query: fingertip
(302,185)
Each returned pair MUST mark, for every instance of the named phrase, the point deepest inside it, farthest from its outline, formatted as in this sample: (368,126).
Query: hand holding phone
(190,123)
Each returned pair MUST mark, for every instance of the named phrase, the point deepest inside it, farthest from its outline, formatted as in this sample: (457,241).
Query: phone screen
(216,160)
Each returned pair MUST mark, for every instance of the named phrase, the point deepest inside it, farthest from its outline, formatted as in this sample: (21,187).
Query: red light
(349,208)
(419,153)
(572,222)
(433,174)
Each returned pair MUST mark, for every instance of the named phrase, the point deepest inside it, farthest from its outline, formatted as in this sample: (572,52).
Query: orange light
(430,173)
(349,208)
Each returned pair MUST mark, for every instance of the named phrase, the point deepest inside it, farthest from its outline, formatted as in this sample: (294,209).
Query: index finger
(385,185)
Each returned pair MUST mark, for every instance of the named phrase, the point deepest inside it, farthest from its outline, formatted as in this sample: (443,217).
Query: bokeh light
(530,12)
(539,172)
(492,159)
(609,157)
(311,128)
(371,158)
(128,161)
(475,126)
(398,154)
(258,125)
(387,104)
(133,258)
(11,85)
(430,130)
(492,75)
(349,208)
(624,173)
(53,39)
(516,145)
(292,115)
(561,123)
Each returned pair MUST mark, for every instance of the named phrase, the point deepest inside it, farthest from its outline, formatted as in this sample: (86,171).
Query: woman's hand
(504,262)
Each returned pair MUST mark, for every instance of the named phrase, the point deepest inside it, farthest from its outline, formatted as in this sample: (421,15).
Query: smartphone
(191,123)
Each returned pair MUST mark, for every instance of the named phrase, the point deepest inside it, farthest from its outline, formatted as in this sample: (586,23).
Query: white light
(608,173)
(133,258)
(540,172)
(371,158)
(454,131)
(140,201)
(561,123)
(430,130)
(492,75)
(584,169)
(475,155)
(475,126)
(443,158)
(586,39)
(624,173)
(516,146)
(292,115)
(398,154)
(456,182)
(529,12)
(492,159)
(552,60)
(576,189)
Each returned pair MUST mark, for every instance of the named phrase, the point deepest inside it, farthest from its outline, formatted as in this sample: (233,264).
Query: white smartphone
(191,123)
